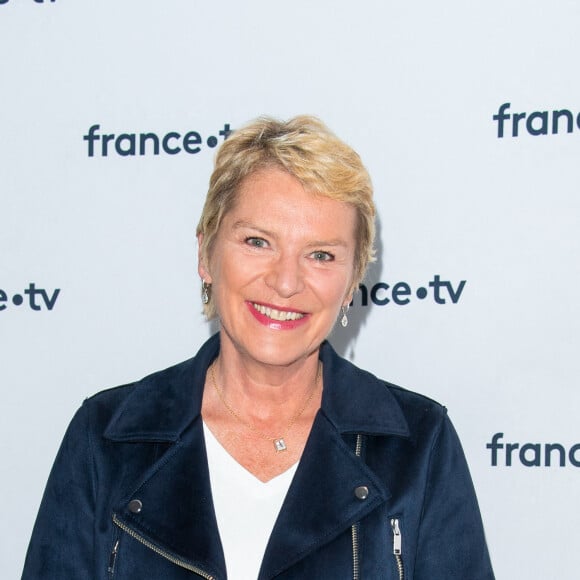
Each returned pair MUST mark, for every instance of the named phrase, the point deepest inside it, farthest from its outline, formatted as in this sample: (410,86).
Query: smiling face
(281,267)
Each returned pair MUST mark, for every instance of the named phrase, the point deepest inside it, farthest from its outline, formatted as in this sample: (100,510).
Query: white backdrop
(98,282)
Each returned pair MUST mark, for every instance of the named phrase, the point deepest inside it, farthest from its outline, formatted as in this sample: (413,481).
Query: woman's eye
(321,256)
(256,242)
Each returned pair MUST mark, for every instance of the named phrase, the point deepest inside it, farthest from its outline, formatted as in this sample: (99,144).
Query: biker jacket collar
(177,516)
(165,403)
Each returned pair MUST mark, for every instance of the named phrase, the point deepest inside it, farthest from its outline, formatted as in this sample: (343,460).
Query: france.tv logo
(535,123)
(35,1)
(101,144)
(507,453)
(31,297)
(436,290)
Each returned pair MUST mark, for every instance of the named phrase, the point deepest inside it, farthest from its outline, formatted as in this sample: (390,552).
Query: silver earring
(204,292)
(344,319)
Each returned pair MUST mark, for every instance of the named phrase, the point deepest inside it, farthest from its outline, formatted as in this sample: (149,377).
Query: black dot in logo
(17,299)
(212,141)
(421,293)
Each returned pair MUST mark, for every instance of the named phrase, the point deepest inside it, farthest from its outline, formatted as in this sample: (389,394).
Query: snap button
(135,506)
(361,492)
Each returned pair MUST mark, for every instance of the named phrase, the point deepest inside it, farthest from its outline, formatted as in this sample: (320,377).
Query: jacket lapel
(176,513)
(176,510)
(321,502)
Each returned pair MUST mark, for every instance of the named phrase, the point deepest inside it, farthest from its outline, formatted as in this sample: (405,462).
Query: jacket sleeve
(451,543)
(61,546)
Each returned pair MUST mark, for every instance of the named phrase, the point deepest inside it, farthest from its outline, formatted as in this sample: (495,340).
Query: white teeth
(274,314)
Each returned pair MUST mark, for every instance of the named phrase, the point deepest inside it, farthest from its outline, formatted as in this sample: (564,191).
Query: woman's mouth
(275,318)
(275,314)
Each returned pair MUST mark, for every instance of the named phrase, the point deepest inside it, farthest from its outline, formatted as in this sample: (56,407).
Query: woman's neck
(263,388)
(262,414)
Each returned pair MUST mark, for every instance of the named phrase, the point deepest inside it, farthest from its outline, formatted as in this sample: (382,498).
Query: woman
(266,455)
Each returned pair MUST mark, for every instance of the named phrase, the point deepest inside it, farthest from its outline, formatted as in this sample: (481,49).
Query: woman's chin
(275,347)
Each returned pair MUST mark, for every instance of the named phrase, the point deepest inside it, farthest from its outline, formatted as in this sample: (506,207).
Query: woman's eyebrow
(246,224)
(334,242)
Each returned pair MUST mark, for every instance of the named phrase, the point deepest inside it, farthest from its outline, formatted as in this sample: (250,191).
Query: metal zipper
(398,547)
(113,559)
(355,564)
(162,553)
(356,526)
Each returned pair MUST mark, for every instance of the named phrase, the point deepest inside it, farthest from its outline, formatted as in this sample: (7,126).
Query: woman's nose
(285,276)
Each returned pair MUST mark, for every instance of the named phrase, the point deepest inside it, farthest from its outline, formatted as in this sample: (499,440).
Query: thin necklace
(279,442)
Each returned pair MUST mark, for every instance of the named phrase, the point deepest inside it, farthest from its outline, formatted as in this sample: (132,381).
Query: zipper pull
(397,538)
(113,558)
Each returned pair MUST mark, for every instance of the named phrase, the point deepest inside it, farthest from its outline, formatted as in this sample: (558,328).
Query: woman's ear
(202,268)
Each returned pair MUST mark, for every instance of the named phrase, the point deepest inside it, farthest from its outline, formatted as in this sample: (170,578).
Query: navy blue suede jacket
(382,490)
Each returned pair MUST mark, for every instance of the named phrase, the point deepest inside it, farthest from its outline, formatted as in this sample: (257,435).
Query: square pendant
(280,445)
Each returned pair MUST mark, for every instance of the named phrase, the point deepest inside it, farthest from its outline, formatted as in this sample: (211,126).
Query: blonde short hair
(305,148)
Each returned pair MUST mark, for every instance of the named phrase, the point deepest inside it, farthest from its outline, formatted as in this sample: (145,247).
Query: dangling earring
(204,292)
(344,319)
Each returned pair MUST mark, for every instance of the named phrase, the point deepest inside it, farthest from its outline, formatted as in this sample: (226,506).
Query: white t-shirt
(246,509)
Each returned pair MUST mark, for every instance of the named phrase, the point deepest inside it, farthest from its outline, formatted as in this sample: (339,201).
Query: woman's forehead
(274,197)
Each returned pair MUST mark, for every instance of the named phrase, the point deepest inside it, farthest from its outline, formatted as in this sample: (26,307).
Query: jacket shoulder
(414,400)
(422,413)
(160,406)
(358,401)
(109,406)
(112,396)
